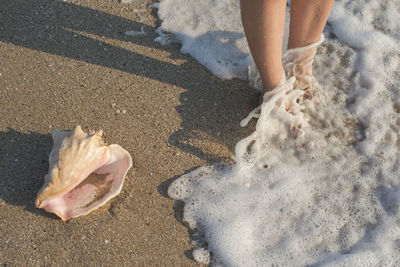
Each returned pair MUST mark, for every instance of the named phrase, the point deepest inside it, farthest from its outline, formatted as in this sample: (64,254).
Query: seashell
(84,173)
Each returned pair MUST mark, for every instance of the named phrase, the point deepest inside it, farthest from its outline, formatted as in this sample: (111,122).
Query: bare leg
(263,23)
(307,21)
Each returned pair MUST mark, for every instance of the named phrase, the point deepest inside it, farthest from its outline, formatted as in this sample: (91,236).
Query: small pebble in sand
(124,111)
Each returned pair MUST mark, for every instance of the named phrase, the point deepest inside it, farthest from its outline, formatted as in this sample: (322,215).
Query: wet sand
(69,63)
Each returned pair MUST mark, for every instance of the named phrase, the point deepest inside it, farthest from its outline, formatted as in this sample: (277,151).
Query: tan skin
(263,23)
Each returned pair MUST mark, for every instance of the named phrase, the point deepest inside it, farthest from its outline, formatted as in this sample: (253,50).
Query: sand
(69,63)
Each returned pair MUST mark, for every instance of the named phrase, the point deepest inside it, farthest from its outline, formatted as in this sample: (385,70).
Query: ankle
(272,81)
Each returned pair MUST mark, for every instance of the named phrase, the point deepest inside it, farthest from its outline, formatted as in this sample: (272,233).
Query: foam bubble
(201,255)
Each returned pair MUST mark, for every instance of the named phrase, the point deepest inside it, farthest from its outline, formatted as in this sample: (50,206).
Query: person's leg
(307,21)
(263,23)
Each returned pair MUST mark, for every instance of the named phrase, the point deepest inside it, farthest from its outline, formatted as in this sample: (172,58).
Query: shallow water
(320,187)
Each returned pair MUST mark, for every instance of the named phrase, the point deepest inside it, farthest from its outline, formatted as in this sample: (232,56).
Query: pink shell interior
(102,184)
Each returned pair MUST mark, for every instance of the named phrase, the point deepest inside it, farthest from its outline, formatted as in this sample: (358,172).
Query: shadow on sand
(23,163)
(62,29)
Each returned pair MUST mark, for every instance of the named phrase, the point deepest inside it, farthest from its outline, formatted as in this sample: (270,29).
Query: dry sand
(69,63)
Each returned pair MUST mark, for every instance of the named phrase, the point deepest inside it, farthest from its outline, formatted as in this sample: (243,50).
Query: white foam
(326,193)
(201,255)
(197,30)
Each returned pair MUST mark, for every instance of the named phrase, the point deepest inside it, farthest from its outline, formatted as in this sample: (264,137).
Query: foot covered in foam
(299,92)
(297,63)
(283,98)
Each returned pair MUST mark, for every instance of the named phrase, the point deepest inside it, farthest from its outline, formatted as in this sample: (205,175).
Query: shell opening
(93,191)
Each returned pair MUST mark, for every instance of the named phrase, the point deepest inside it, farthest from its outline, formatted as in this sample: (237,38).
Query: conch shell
(84,173)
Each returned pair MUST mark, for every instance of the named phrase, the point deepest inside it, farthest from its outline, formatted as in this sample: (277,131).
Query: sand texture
(64,64)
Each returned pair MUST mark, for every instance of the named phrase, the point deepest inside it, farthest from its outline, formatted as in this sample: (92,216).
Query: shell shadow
(23,163)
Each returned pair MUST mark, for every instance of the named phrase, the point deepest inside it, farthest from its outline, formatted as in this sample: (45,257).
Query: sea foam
(316,187)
